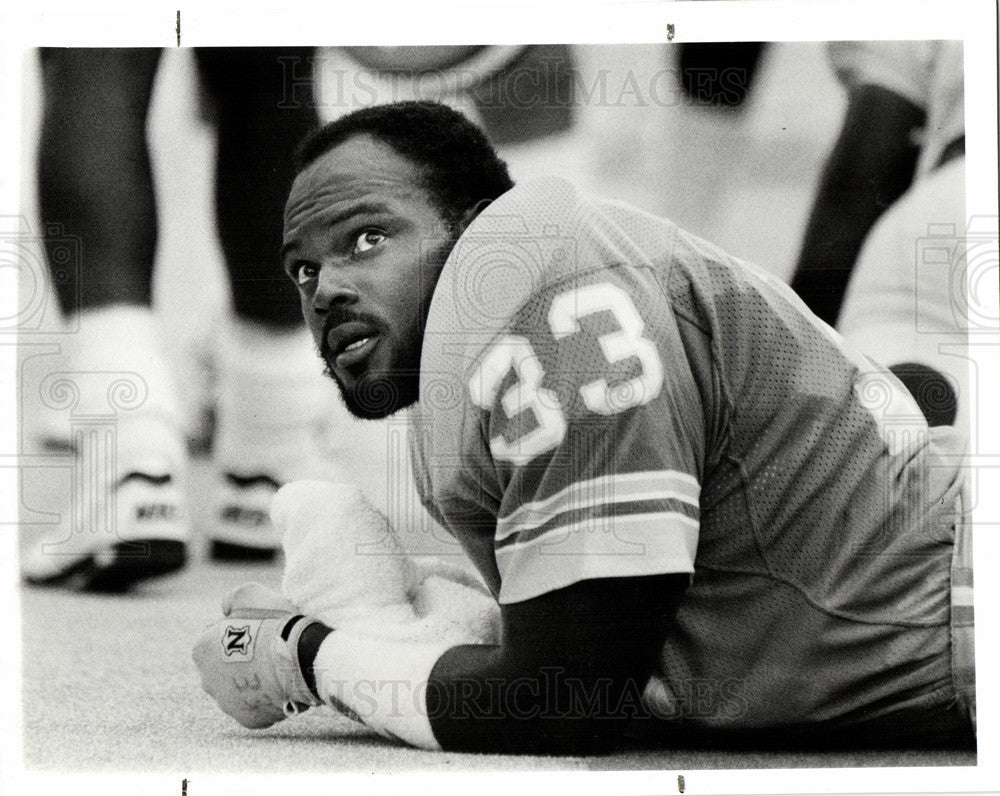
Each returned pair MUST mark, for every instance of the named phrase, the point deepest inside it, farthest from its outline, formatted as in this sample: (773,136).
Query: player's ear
(470,214)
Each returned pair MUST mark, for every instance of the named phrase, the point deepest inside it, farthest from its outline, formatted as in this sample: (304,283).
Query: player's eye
(367,240)
(305,273)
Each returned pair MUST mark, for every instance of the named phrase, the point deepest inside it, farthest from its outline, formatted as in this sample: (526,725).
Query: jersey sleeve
(591,434)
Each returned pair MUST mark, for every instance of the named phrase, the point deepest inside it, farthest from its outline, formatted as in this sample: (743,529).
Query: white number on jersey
(513,352)
(598,396)
(525,395)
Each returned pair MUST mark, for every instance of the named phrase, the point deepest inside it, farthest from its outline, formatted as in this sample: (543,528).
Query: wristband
(300,680)
(310,639)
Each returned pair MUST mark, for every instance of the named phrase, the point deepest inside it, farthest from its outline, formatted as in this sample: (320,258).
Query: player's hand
(250,670)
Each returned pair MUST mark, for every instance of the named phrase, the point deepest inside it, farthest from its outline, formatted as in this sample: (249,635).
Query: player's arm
(567,676)
(585,421)
(871,165)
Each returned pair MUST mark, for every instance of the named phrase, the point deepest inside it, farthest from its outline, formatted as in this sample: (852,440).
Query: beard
(374,391)
(376,394)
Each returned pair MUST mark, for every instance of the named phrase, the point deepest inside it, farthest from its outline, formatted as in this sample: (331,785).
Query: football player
(703,515)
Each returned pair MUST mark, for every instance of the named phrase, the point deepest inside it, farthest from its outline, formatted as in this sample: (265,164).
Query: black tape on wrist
(286,631)
(310,641)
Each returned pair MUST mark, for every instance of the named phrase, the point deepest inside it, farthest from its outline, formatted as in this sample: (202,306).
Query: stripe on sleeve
(602,515)
(659,485)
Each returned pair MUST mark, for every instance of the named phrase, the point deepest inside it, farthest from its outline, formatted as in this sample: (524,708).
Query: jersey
(605,395)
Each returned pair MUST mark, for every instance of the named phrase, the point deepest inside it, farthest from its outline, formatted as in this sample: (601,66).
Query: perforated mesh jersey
(605,395)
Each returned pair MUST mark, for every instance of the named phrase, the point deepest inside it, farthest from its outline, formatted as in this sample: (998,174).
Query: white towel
(345,566)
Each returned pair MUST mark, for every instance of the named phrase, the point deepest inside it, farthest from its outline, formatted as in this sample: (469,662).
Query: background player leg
(275,407)
(126,520)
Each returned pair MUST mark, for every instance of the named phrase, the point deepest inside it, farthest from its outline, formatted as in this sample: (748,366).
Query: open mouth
(351,343)
(356,352)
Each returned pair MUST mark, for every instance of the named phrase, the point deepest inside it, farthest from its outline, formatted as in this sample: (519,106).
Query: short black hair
(460,166)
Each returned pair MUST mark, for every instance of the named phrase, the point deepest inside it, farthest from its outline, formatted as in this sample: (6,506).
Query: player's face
(365,245)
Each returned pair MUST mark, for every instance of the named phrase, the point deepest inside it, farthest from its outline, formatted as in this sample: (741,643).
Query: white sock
(273,402)
(123,387)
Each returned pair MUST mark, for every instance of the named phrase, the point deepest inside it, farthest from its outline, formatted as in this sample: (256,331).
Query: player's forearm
(480,699)
(564,680)
(474,698)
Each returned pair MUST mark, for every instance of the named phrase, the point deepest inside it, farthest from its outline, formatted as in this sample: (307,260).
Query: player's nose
(333,288)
